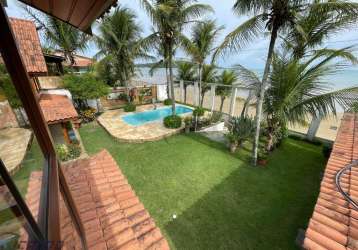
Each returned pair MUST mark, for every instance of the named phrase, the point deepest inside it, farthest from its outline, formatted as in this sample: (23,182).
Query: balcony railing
(338,180)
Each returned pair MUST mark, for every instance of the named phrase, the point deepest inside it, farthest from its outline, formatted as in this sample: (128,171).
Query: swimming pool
(141,118)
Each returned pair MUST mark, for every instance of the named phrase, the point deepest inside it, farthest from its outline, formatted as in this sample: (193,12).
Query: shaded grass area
(33,161)
(219,200)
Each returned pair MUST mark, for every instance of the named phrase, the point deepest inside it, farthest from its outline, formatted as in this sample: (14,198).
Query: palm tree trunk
(171,77)
(202,99)
(260,98)
(185,93)
(200,80)
(222,103)
(246,103)
(168,80)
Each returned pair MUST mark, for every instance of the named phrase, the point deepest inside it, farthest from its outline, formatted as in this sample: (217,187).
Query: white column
(212,91)
(181,90)
(196,94)
(233,101)
(313,128)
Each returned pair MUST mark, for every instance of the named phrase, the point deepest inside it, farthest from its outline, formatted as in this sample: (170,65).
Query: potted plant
(233,142)
(188,122)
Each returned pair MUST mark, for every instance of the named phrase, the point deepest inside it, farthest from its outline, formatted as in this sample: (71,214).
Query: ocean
(343,79)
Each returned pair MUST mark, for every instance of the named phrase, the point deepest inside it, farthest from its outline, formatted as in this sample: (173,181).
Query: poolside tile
(115,126)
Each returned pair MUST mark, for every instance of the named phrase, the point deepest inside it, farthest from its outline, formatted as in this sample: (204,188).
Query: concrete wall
(162,92)
(57,92)
(7,116)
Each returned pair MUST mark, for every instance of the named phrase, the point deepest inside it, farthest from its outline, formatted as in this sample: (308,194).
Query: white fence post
(212,91)
(196,94)
(233,101)
(313,128)
(181,91)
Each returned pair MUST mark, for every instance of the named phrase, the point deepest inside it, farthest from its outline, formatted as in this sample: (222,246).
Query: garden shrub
(88,115)
(168,102)
(198,111)
(215,117)
(130,107)
(123,97)
(74,151)
(68,152)
(172,121)
(61,151)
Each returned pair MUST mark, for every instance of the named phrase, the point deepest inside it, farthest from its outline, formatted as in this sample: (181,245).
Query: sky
(252,56)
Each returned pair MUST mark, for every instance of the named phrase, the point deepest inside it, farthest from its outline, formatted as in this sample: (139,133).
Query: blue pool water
(153,115)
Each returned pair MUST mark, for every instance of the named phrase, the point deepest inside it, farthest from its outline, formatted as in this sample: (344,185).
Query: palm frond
(241,36)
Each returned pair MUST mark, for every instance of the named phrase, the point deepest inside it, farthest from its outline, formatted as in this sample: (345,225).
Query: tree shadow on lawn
(253,208)
(242,153)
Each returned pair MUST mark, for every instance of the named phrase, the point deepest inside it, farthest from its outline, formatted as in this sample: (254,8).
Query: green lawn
(221,202)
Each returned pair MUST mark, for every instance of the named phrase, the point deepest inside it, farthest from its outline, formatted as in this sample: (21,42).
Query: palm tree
(120,40)
(168,18)
(275,16)
(59,35)
(201,45)
(227,78)
(186,73)
(209,75)
(298,90)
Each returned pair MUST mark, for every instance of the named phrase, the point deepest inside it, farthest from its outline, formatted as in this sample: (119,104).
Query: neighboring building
(55,101)
(82,63)
(334,222)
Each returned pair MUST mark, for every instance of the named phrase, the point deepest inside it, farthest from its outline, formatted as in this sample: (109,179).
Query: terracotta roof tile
(57,108)
(334,223)
(29,45)
(112,218)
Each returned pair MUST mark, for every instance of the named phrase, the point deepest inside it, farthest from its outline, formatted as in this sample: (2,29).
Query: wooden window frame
(53,179)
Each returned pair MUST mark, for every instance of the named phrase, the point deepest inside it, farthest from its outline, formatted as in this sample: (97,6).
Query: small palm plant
(226,79)
(209,76)
(186,73)
(241,129)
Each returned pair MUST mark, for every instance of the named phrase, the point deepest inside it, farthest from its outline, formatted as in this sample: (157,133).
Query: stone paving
(14,143)
(153,131)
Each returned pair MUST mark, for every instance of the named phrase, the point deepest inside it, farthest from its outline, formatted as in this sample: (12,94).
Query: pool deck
(120,130)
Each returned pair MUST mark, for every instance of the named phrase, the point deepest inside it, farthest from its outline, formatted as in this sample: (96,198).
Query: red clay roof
(112,215)
(57,108)
(334,223)
(29,45)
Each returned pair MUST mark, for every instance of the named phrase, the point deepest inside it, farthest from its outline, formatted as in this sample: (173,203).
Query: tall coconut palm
(298,89)
(227,78)
(59,35)
(186,73)
(276,16)
(168,18)
(201,45)
(120,39)
(209,74)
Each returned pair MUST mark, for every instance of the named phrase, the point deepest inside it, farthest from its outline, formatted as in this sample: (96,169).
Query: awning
(79,13)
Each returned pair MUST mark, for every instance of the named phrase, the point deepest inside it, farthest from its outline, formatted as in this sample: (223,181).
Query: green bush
(74,151)
(168,102)
(130,107)
(123,97)
(188,120)
(172,121)
(198,111)
(61,151)
(68,152)
(215,117)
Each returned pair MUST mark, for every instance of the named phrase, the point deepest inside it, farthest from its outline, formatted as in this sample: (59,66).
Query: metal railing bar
(33,229)
(338,183)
